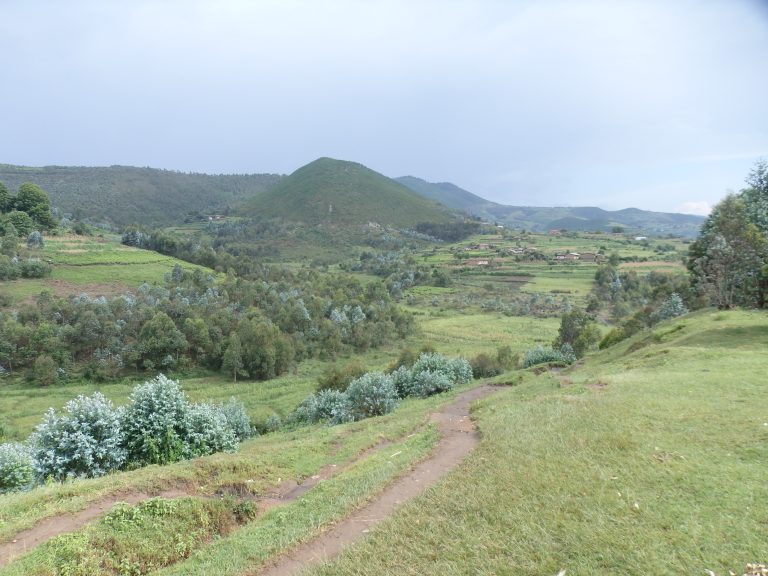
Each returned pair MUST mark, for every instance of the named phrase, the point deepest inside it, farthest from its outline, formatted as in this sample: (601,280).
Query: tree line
(729,260)
(244,328)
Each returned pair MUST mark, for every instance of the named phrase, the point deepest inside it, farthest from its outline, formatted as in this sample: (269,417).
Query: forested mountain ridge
(338,192)
(124,195)
(540,219)
(347,192)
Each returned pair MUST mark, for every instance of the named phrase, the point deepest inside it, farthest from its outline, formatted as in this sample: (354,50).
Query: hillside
(126,195)
(648,459)
(585,218)
(447,194)
(338,192)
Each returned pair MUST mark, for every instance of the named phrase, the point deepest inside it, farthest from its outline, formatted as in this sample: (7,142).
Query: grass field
(97,265)
(649,459)
(465,335)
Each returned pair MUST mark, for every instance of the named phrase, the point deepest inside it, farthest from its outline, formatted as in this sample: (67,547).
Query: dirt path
(458,438)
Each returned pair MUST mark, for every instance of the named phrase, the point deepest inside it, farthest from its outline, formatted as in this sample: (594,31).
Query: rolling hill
(324,191)
(546,218)
(125,195)
(338,192)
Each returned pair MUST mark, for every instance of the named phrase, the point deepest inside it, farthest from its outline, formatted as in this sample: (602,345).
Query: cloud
(702,208)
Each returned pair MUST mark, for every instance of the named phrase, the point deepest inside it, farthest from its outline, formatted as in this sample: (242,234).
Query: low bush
(207,431)
(408,357)
(155,422)
(17,467)
(336,378)
(484,366)
(541,355)
(84,442)
(373,394)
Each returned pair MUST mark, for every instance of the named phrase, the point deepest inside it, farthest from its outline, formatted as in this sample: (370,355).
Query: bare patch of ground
(64,288)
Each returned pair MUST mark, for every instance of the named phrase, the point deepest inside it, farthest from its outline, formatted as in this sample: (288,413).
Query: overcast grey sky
(659,105)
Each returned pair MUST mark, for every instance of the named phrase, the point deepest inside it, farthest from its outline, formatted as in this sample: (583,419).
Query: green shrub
(541,355)
(85,442)
(506,358)
(373,394)
(155,422)
(17,467)
(237,419)
(44,371)
(335,378)
(615,336)
(207,431)
(483,366)
(33,268)
(408,357)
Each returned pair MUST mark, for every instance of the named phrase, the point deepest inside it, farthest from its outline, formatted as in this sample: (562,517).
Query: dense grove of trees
(729,259)
(449,231)
(23,217)
(29,210)
(252,329)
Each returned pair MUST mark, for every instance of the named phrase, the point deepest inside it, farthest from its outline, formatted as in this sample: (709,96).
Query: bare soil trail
(458,438)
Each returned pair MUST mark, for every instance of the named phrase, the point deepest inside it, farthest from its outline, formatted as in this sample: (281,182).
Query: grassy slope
(329,191)
(650,461)
(94,265)
(127,195)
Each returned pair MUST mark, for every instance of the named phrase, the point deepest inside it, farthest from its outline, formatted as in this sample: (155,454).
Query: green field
(646,458)
(649,459)
(94,265)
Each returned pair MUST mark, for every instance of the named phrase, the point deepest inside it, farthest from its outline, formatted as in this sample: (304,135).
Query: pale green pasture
(647,460)
(470,334)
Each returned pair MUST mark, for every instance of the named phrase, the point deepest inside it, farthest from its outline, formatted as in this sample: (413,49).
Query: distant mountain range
(543,219)
(324,191)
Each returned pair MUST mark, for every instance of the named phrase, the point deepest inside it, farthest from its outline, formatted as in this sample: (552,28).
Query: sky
(659,105)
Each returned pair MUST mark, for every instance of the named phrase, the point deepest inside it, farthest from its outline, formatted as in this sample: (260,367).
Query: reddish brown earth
(458,438)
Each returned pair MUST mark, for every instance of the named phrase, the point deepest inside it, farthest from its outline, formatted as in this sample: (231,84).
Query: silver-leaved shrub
(207,431)
(83,442)
(155,422)
(373,394)
(17,467)
(238,419)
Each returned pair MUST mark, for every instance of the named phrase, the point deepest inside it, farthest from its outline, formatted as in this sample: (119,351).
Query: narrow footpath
(458,438)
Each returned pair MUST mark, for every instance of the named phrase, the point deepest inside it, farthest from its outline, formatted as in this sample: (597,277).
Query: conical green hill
(338,192)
